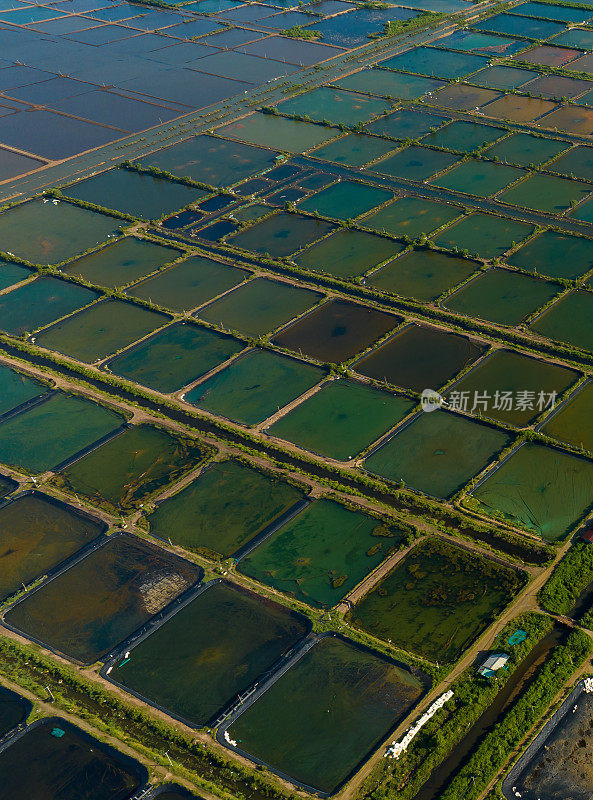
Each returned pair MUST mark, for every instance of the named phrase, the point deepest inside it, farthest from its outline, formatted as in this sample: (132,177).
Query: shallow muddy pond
(175,356)
(210,651)
(56,761)
(124,262)
(101,330)
(420,358)
(341,419)
(437,600)
(99,602)
(327,713)
(254,386)
(281,234)
(16,389)
(573,423)
(438,453)
(223,509)
(259,306)
(422,274)
(542,489)
(322,553)
(336,331)
(555,254)
(189,284)
(52,431)
(348,253)
(130,467)
(36,534)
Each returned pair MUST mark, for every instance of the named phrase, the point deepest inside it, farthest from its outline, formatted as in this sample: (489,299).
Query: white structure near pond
(397,748)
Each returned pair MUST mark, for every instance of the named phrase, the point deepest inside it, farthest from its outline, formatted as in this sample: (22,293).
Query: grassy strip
(30,669)
(403,778)
(493,752)
(570,577)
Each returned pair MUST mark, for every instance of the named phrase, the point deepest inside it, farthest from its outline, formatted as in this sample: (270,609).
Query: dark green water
(210,651)
(16,388)
(99,602)
(13,710)
(225,507)
(323,716)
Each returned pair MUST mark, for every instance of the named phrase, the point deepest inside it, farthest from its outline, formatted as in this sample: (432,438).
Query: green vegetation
(298,32)
(570,577)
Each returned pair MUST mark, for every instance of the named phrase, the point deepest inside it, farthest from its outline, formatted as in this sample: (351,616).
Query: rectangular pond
(348,253)
(17,388)
(281,234)
(345,200)
(569,321)
(484,235)
(335,105)
(573,422)
(87,610)
(412,217)
(210,651)
(274,131)
(558,255)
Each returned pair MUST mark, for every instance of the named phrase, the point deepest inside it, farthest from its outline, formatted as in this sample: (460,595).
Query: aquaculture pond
(50,432)
(322,553)
(437,600)
(36,534)
(13,710)
(436,63)
(420,357)
(7,485)
(211,160)
(573,422)
(327,713)
(415,163)
(210,651)
(100,330)
(411,216)
(335,105)
(121,263)
(569,320)
(341,419)
(523,149)
(99,602)
(259,306)
(132,193)
(577,162)
(48,231)
(503,77)
(481,178)
(54,760)
(223,509)
(438,453)
(175,356)
(270,131)
(502,296)
(422,274)
(547,193)
(132,466)
(281,234)
(16,389)
(464,136)
(559,765)
(539,488)
(484,235)
(12,273)
(387,83)
(348,253)
(354,150)
(407,123)
(37,303)
(336,331)
(513,388)
(254,386)
(189,284)
(556,254)
(345,200)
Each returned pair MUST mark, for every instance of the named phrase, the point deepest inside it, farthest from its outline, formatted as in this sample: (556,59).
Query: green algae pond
(480,178)
(131,467)
(121,263)
(569,320)
(336,331)
(523,149)
(420,357)
(348,253)
(47,232)
(209,652)
(502,296)
(88,609)
(484,235)
(259,306)
(345,200)
(341,107)
(227,506)
(189,284)
(52,431)
(16,389)
(14,710)
(573,421)
(281,234)
(37,303)
(437,600)
(415,163)
(36,534)
(547,193)
(411,216)
(54,760)
(555,254)
(438,453)
(324,716)
(135,194)
(422,274)
(539,488)
(254,386)
(322,553)
(12,273)
(175,356)
(506,371)
(100,330)
(341,419)
(354,150)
